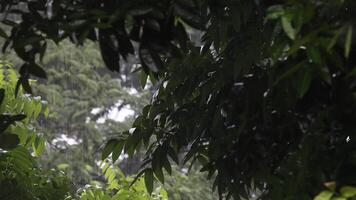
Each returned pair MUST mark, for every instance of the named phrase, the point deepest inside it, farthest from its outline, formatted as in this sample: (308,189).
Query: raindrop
(348,139)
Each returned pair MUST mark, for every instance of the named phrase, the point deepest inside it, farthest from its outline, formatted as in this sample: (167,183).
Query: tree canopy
(265,102)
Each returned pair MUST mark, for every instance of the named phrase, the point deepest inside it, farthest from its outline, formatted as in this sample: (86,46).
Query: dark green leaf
(2,95)
(167,166)
(314,55)
(108,149)
(304,82)
(157,168)
(143,79)
(7,120)
(26,85)
(140,10)
(290,71)
(9,141)
(173,155)
(348,41)
(37,70)
(3,33)
(109,53)
(149,180)
(117,150)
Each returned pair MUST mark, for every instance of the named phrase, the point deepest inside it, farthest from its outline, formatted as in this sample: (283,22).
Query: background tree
(75,90)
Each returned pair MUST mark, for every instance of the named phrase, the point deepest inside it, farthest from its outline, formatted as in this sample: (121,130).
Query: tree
(267,102)
(77,84)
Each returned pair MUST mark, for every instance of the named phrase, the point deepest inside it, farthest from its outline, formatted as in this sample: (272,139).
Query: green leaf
(37,108)
(274,12)
(117,150)
(287,26)
(38,146)
(348,41)
(22,158)
(143,79)
(149,180)
(314,55)
(22,133)
(46,109)
(339,198)
(163,193)
(109,147)
(167,166)
(290,71)
(137,177)
(335,38)
(304,83)
(3,33)
(141,10)
(158,172)
(43,51)
(109,52)
(324,195)
(348,191)
(173,155)
(25,85)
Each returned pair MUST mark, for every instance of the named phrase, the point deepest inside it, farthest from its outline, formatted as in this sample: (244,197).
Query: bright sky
(116,114)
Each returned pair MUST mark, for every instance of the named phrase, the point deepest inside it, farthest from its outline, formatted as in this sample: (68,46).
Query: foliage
(114,24)
(267,102)
(22,179)
(20,176)
(346,192)
(119,187)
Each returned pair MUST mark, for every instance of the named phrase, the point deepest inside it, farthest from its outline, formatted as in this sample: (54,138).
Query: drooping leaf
(109,53)
(36,70)
(117,150)
(304,82)
(287,27)
(143,79)
(290,71)
(348,41)
(149,180)
(108,149)
(3,33)
(157,168)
